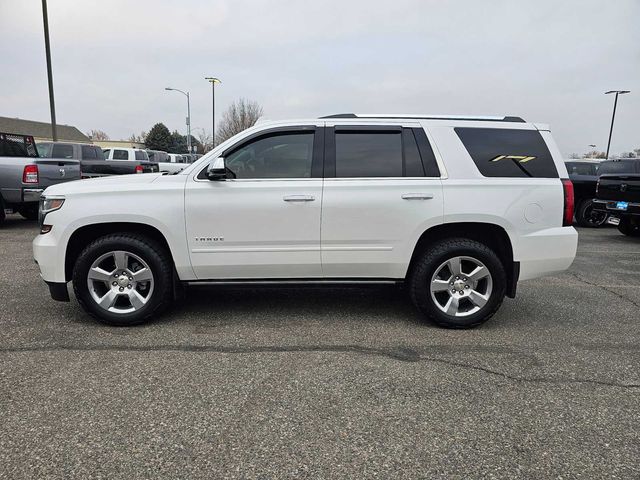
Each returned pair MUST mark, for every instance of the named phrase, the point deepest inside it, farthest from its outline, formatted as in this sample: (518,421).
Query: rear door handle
(417,196)
(299,198)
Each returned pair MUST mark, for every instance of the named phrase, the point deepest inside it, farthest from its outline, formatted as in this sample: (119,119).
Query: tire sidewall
(148,252)
(439,255)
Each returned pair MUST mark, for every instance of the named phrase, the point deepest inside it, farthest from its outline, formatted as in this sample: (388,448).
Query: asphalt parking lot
(326,383)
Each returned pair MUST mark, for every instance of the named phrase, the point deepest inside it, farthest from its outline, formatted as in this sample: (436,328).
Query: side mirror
(216,170)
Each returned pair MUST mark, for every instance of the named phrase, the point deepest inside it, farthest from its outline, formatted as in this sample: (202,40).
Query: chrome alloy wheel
(120,282)
(461,286)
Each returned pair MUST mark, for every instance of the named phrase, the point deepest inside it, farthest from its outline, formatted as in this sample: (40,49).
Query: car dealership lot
(311,382)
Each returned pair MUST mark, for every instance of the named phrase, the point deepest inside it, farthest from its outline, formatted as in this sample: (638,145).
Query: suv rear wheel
(586,216)
(458,283)
(123,279)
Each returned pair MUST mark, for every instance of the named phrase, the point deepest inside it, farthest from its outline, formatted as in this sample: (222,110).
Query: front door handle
(299,198)
(417,196)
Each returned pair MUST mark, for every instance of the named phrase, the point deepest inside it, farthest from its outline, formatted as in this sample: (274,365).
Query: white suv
(459,209)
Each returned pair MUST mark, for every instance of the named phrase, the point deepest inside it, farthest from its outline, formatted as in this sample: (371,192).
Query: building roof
(66,133)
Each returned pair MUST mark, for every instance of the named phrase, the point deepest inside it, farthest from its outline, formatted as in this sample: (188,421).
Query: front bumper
(50,260)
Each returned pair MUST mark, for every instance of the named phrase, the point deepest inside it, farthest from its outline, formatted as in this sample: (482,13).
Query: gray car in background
(24,175)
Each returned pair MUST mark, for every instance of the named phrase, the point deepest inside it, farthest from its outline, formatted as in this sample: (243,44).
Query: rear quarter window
(501,152)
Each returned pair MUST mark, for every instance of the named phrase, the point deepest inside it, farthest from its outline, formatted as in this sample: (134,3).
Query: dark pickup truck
(619,195)
(584,175)
(92,159)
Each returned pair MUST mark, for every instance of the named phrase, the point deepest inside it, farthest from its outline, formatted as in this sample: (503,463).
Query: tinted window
(152,155)
(412,161)
(275,156)
(120,155)
(508,152)
(62,151)
(578,168)
(616,167)
(141,155)
(44,150)
(368,154)
(90,153)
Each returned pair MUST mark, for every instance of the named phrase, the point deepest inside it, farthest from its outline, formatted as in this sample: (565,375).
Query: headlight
(47,205)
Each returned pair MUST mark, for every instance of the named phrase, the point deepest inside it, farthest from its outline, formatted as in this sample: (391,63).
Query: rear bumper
(546,252)
(31,195)
(609,206)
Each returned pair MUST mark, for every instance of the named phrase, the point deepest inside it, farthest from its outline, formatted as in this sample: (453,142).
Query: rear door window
(62,151)
(501,152)
(368,154)
(120,154)
(141,155)
(90,153)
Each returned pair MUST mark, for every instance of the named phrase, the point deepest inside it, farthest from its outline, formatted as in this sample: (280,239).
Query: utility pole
(47,48)
(213,82)
(186,94)
(613,117)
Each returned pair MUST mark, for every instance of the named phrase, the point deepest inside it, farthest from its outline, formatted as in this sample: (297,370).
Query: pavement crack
(602,287)
(404,354)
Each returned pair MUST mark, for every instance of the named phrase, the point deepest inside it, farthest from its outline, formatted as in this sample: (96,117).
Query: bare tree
(240,115)
(206,139)
(138,138)
(97,135)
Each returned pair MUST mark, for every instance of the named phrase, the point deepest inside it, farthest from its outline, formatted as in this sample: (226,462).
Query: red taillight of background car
(30,174)
(567,218)
(139,169)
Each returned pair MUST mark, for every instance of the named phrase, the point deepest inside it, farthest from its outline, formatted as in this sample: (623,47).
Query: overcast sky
(548,61)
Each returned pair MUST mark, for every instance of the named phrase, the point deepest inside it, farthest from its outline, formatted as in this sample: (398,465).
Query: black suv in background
(584,174)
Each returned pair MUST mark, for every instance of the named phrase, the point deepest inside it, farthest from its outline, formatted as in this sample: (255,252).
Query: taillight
(139,169)
(567,218)
(30,174)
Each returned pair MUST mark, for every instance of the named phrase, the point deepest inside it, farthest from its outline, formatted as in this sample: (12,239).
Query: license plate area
(622,206)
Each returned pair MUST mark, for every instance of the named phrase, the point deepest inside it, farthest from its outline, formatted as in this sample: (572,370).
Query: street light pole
(186,94)
(47,49)
(613,117)
(213,82)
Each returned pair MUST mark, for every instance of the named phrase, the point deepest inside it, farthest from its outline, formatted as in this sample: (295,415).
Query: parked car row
(606,189)
(24,175)
(27,168)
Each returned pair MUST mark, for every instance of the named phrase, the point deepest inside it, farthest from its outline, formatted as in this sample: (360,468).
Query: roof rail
(508,118)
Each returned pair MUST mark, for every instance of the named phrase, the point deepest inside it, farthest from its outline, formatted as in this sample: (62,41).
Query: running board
(300,282)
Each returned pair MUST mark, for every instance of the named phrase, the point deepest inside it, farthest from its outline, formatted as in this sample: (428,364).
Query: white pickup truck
(459,209)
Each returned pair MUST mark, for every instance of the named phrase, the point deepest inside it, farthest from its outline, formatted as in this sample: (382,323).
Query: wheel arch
(492,235)
(84,235)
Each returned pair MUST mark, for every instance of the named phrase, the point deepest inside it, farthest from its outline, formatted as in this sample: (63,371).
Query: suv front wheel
(458,283)
(123,279)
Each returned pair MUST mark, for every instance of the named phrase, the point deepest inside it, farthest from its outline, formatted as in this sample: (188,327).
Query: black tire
(30,212)
(156,257)
(435,255)
(587,217)
(2,214)
(626,228)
